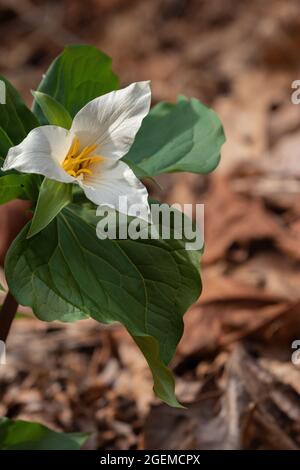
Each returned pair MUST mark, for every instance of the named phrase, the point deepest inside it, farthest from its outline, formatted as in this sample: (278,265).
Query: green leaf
(17,186)
(24,435)
(164,382)
(78,75)
(145,284)
(140,173)
(54,112)
(53,197)
(186,136)
(16,120)
(5,144)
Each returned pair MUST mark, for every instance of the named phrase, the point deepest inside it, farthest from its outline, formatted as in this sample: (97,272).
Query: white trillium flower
(89,153)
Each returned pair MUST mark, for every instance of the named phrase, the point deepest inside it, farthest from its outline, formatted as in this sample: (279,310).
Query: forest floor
(233,366)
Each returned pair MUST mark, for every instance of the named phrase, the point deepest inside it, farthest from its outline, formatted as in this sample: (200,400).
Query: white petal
(112,120)
(41,152)
(113,180)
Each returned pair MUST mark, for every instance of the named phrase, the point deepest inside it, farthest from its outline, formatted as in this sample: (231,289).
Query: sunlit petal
(112,180)
(41,152)
(112,120)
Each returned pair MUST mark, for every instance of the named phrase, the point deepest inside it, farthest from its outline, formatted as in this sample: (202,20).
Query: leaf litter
(233,366)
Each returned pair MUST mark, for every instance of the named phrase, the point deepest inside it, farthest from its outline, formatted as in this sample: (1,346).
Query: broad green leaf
(16,120)
(25,435)
(54,112)
(164,382)
(2,288)
(17,186)
(186,136)
(140,173)
(145,284)
(5,144)
(53,197)
(78,75)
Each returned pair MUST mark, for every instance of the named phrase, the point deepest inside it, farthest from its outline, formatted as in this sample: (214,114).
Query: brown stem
(13,216)
(7,315)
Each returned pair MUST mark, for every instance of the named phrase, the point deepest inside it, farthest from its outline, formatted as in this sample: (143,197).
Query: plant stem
(7,315)
(13,215)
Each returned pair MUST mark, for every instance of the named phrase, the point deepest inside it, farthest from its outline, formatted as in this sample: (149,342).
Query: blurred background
(234,364)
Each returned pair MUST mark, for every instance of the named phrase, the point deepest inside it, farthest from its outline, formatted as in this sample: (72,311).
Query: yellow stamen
(84,171)
(77,162)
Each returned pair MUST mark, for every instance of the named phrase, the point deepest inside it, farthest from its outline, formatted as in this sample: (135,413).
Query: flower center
(78,163)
